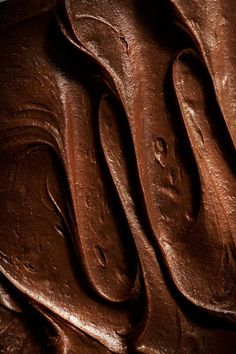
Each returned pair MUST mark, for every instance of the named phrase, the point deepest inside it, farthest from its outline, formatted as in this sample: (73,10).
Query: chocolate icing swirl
(117,179)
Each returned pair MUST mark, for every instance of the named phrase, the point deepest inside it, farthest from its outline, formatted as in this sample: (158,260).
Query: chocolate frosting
(117,176)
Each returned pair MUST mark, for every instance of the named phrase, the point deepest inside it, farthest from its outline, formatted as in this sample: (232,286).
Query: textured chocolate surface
(117,176)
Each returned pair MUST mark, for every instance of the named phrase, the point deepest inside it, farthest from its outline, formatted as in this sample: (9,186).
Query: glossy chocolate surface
(117,176)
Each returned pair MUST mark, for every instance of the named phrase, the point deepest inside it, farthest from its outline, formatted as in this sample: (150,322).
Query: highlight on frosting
(117,176)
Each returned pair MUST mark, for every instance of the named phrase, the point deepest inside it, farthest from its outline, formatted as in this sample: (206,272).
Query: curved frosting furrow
(212,26)
(214,231)
(117,151)
(97,211)
(117,178)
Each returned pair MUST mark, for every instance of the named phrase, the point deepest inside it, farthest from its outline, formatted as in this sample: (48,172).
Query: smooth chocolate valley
(117,176)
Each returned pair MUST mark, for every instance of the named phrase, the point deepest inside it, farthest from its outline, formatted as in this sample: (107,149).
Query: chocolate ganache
(117,176)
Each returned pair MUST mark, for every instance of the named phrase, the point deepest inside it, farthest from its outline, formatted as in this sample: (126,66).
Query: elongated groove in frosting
(117,176)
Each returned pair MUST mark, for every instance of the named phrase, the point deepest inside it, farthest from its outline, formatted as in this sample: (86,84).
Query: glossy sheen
(117,176)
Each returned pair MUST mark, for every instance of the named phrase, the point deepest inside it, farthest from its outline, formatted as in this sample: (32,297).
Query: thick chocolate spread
(117,176)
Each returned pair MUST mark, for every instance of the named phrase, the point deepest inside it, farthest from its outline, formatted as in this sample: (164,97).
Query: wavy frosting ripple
(117,176)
